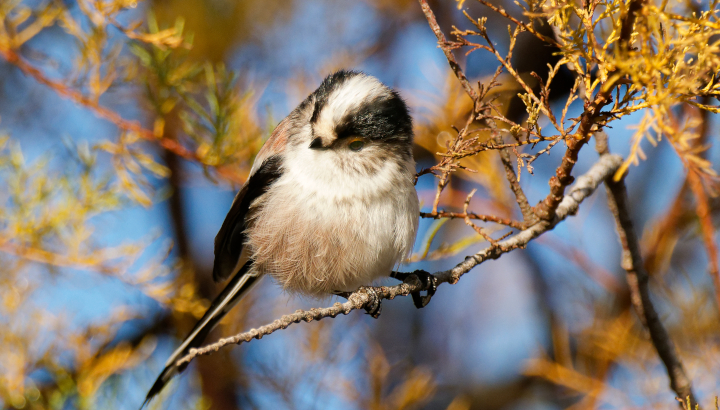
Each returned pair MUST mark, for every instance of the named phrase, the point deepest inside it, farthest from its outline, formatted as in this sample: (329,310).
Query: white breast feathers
(322,227)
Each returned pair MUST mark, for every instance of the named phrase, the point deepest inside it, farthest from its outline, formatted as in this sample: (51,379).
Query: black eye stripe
(316,143)
(383,118)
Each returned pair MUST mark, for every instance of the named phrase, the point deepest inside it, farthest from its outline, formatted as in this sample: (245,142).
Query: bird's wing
(265,170)
(228,250)
(228,246)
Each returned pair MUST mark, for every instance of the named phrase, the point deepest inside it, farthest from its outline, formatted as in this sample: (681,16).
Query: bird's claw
(374,307)
(429,284)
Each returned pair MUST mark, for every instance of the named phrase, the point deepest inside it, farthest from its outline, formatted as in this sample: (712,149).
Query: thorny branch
(584,187)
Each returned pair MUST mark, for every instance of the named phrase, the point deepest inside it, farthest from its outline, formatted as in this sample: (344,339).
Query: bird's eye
(356,145)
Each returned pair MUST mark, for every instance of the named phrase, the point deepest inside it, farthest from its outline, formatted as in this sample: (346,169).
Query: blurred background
(107,235)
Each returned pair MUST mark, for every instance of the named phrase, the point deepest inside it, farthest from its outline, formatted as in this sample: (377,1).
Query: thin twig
(526,27)
(529,216)
(443,44)
(462,215)
(480,231)
(450,164)
(488,146)
(585,186)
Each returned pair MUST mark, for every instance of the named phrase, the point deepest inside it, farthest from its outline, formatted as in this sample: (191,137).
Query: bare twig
(525,208)
(480,231)
(585,186)
(638,281)
(526,27)
(492,146)
(471,215)
(528,215)
(443,44)
(449,164)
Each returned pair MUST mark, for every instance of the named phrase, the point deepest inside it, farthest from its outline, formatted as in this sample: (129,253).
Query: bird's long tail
(229,297)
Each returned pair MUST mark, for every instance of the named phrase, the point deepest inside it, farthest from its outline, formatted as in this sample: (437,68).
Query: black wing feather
(228,247)
(231,237)
(222,304)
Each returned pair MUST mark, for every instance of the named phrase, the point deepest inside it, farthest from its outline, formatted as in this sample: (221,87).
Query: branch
(462,215)
(365,296)
(126,125)
(443,44)
(562,178)
(526,27)
(638,280)
(529,216)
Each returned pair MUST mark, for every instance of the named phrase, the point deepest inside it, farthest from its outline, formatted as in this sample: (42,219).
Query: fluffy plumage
(330,203)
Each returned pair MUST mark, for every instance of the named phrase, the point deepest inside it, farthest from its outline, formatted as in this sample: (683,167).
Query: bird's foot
(342,294)
(429,285)
(374,307)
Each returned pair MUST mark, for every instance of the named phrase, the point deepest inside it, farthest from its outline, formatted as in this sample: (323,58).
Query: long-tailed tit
(329,205)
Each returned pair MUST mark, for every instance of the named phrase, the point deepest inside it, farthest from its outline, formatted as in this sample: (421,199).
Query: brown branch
(126,125)
(678,213)
(529,216)
(363,297)
(462,215)
(562,178)
(443,44)
(449,164)
(638,281)
(525,27)
(480,231)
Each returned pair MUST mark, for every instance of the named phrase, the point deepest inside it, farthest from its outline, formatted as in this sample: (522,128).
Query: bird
(329,205)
